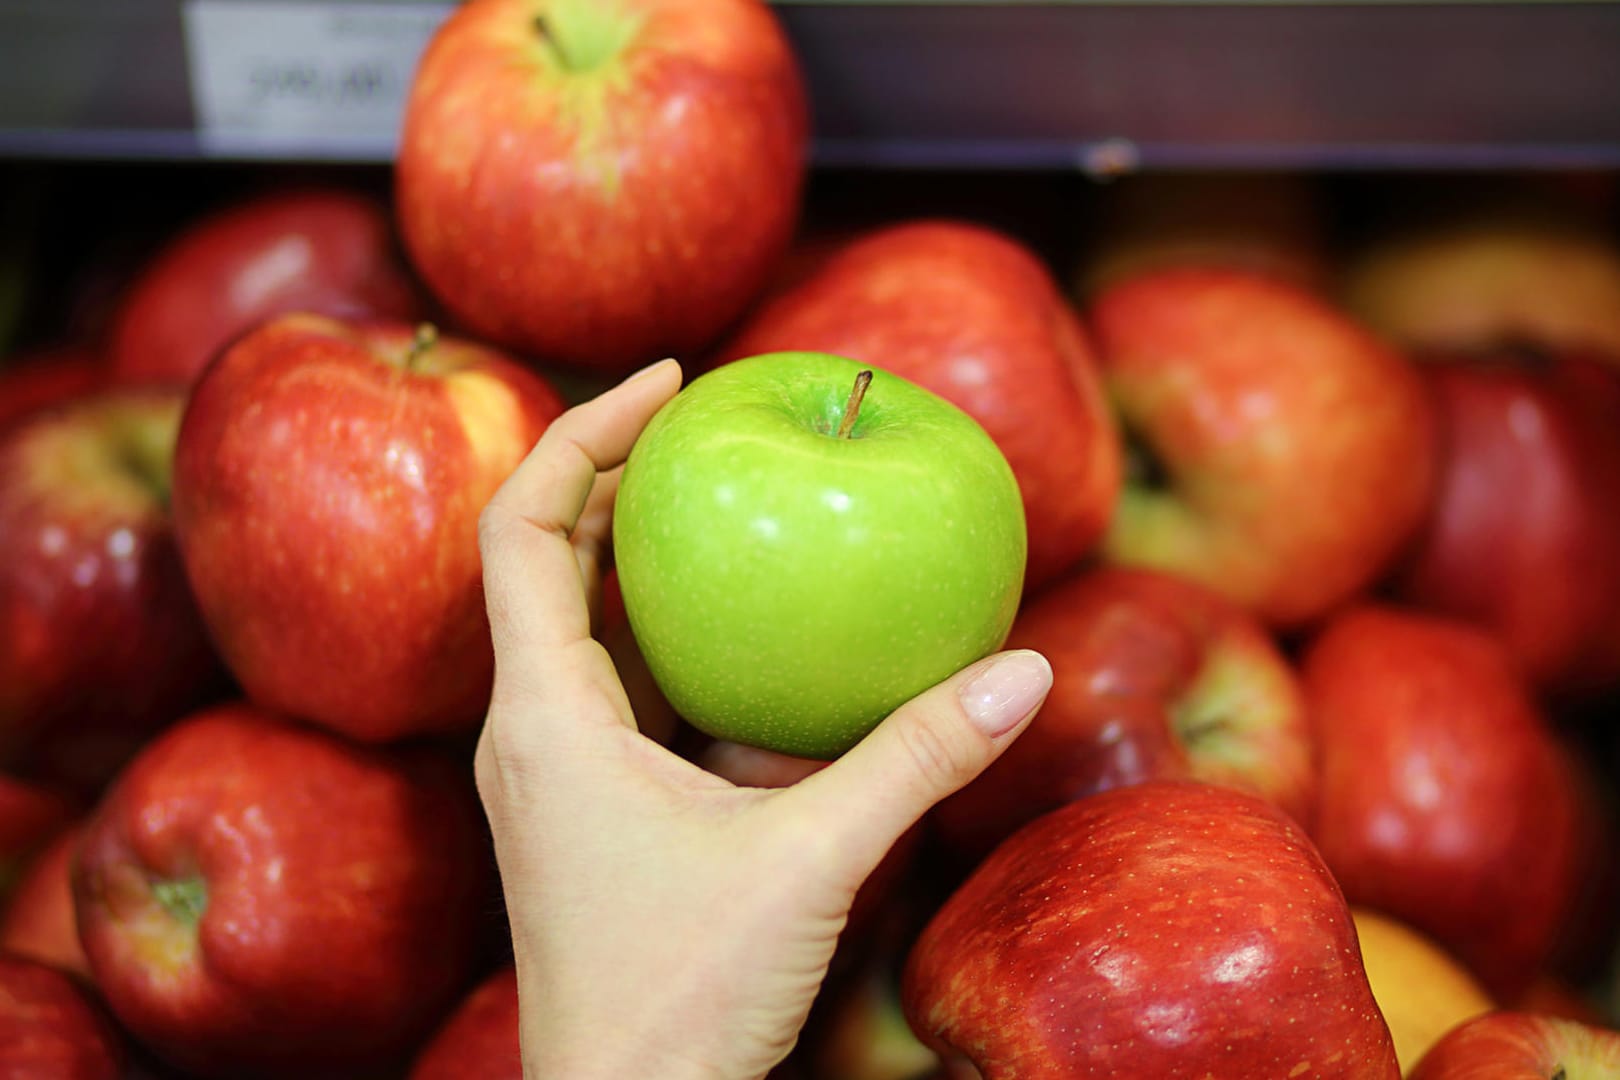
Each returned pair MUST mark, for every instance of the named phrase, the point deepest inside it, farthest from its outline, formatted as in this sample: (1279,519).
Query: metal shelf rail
(1060,84)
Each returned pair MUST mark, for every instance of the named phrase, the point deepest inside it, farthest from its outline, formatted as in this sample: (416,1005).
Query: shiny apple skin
(326,500)
(99,634)
(1153,677)
(1445,798)
(1524,535)
(342,887)
(1168,929)
(1296,450)
(1510,1045)
(324,250)
(610,217)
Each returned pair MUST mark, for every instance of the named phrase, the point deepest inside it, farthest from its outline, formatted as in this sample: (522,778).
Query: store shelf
(1101,87)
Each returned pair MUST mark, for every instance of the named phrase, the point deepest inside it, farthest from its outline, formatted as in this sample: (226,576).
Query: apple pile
(1324,553)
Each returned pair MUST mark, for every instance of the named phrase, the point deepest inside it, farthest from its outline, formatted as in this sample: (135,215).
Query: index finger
(526,534)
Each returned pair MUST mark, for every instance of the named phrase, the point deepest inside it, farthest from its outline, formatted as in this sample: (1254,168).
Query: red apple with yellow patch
(258,898)
(1153,677)
(602,182)
(100,640)
(1278,452)
(328,481)
(1509,1045)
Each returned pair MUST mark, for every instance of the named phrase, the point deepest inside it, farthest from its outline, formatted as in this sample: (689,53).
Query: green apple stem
(852,407)
(585,36)
(543,28)
(427,336)
(185,900)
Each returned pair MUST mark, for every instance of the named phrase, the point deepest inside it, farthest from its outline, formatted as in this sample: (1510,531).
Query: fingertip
(927,749)
(1002,691)
(658,368)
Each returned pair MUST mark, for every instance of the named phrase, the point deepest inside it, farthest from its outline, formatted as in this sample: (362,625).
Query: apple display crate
(1062,84)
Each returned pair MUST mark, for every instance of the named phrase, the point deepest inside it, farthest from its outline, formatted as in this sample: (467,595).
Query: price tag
(285,78)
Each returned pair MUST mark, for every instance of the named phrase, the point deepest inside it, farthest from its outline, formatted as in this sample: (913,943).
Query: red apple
(30,815)
(480,1039)
(973,316)
(1153,677)
(1445,800)
(328,481)
(30,382)
(1510,1045)
(1278,452)
(602,183)
(327,251)
(262,899)
(38,922)
(50,1029)
(1166,929)
(98,631)
(1539,567)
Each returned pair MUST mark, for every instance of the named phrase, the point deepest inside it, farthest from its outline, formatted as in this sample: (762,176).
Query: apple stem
(544,30)
(185,900)
(427,336)
(852,407)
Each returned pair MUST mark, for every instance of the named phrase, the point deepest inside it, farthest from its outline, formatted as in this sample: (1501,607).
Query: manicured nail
(1004,693)
(649,369)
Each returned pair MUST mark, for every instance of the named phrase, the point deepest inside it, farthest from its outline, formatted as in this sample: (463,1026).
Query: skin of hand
(666,921)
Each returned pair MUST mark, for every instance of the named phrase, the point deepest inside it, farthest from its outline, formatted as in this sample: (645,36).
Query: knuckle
(486,773)
(502,766)
(492,522)
(942,762)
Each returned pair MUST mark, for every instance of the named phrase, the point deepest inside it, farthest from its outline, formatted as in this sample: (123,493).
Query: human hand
(666,922)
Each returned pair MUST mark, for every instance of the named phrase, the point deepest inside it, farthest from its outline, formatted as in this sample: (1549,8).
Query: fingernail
(1004,693)
(649,369)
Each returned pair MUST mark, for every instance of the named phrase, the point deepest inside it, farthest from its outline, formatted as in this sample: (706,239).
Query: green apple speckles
(788,587)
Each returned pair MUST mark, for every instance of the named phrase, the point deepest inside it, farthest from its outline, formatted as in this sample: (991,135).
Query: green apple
(798,559)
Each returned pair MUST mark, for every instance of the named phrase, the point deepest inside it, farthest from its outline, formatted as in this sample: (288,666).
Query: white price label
(290,77)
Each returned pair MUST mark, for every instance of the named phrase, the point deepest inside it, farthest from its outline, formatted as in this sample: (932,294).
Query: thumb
(923,751)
